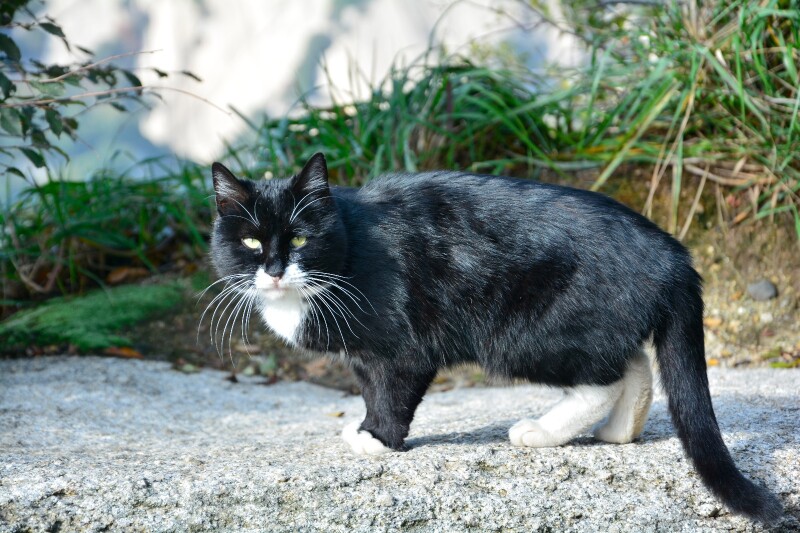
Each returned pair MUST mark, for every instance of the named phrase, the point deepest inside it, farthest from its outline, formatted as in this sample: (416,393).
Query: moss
(90,322)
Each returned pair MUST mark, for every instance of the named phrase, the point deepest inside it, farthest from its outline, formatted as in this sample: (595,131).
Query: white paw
(530,433)
(615,433)
(362,442)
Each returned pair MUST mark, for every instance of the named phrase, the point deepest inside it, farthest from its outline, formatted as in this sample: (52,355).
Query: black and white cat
(416,272)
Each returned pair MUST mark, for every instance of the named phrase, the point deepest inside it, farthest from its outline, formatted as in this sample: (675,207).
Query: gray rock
(762,290)
(88,444)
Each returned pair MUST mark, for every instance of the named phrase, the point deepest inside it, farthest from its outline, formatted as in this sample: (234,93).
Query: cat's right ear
(230,192)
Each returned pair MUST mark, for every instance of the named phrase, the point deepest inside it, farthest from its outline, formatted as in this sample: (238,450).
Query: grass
(705,97)
(91,322)
(67,237)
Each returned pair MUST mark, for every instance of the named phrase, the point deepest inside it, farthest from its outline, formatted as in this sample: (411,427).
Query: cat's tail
(681,358)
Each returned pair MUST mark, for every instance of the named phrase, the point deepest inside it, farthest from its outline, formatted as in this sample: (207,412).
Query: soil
(740,332)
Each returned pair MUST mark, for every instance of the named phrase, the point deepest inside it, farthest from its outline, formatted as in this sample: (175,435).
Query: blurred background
(112,110)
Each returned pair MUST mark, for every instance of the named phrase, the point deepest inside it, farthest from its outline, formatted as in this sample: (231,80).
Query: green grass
(705,96)
(91,322)
(69,236)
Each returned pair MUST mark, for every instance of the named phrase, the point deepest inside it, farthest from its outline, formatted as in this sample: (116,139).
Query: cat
(416,272)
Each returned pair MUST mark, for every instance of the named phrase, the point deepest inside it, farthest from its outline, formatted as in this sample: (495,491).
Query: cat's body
(416,272)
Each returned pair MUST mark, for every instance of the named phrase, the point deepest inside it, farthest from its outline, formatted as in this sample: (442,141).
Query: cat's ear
(314,176)
(230,192)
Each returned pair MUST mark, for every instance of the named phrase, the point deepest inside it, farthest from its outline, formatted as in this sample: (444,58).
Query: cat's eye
(253,244)
(298,241)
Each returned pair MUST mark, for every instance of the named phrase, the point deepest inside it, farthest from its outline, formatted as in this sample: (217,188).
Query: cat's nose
(275,271)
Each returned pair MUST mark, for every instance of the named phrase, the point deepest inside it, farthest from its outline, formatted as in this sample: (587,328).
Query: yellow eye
(298,241)
(253,244)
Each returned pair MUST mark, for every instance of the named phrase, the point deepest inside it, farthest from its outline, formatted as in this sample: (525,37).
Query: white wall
(250,53)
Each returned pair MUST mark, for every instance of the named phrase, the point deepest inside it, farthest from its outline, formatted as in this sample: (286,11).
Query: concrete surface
(95,444)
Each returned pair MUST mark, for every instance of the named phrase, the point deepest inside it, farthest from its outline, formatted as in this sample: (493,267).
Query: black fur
(551,284)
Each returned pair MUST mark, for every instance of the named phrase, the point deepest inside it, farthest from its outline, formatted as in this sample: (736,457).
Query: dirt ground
(740,331)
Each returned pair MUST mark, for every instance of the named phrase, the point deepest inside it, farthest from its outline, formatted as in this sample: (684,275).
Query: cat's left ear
(314,176)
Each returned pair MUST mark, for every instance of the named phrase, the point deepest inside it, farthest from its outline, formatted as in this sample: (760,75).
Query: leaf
(6,85)
(15,171)
(123,352)
(132,78)
(54,120)
(120,274)
(10,121)
(38,138)
(9,48)
(160,73)
(35,157)
(52,29)
(118,106)
(191,75)
(52,90)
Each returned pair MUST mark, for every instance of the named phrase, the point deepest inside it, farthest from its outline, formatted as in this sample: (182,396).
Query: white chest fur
(284,315)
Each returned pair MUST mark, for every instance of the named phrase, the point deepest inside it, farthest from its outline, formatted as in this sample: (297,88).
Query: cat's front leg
(391,395)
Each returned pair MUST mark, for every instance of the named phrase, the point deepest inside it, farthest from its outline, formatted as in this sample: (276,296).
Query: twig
(115,90)
(692,210)
(95,64)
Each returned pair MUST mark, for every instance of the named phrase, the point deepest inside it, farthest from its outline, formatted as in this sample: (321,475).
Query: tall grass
(63,237)
(703,93)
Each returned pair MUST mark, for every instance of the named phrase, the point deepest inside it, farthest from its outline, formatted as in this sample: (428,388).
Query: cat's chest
(284,316)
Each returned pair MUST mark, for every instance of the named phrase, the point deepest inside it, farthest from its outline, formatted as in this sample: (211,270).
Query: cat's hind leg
(629,414)
(579,410)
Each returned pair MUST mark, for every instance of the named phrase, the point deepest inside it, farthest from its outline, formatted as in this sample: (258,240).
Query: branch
(95,64)
(116,90)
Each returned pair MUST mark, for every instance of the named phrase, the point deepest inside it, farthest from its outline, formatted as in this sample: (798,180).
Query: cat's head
(281,235)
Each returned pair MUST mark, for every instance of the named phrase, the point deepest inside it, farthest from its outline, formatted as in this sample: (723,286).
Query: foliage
(60,236)
(726,77)
(67,236)
(706,96)
(41,103)
(91,322)
(706,91)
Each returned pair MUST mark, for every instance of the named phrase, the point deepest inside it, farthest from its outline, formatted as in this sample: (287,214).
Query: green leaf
(10,121)
(52,29)
(9,47)
(52,90)
(132,79)
(35,157)
(15,171)
(6,85)
(192,75)
(54,120)
(38,138)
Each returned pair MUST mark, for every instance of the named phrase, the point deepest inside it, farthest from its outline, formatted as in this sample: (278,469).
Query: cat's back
(498,206)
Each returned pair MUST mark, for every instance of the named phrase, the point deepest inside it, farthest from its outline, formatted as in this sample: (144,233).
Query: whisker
(336,322)
(220,280)
(342,279)
(232,321)
(334,300)
(253,219)
(297,204)
(349,294)
(234,290)
(227,291)
(304,207)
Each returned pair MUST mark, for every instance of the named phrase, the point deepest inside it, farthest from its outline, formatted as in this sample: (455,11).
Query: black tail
(681,358)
